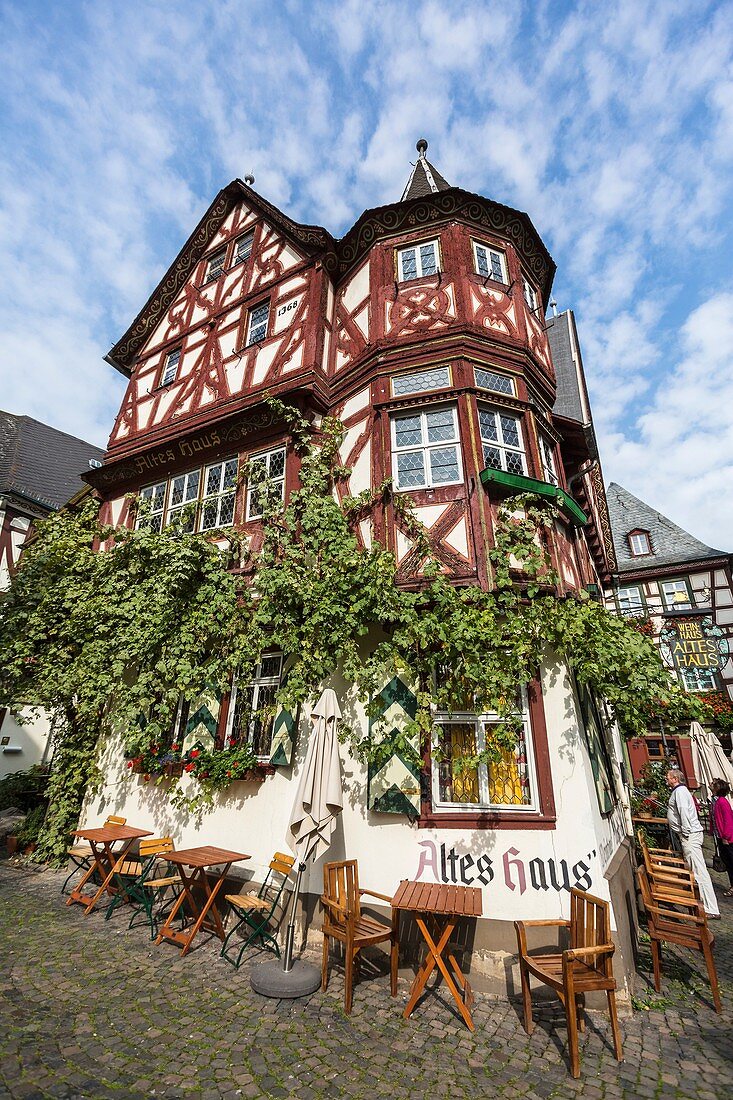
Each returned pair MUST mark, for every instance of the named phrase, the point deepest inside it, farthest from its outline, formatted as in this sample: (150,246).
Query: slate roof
(572,400)
(424,178)
(40,463)
(671,545)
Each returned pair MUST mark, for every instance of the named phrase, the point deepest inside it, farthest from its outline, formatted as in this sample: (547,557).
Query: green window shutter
(283,732)
(393,781)
(203,719)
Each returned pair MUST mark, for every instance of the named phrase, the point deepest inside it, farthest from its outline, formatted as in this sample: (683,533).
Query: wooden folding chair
(583,968)
(344,921)
(257,911)
(148,884)
(81,854)
(677,917)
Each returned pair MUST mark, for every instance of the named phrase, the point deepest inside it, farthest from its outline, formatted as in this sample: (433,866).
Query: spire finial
(422,147)
(249,180)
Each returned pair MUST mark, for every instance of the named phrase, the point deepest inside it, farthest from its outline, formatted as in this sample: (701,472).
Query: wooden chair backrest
(282,864)
(156,846)
(341,885)
(646,892)
(114,820)
(590,925)
(276,878)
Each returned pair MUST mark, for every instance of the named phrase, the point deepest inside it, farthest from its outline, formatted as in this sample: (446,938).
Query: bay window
(501,436)
(425,448)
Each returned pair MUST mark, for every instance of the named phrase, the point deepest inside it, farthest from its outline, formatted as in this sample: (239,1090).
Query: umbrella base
(270,980)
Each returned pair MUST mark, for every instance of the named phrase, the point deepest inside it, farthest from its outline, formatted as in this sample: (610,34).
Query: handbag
(718,864)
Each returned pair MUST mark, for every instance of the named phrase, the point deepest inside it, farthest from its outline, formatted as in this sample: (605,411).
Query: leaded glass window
(417,261)
(215,266)
(530,295)
(698,679)
(491,380)
(150,515)
(257,330)
(548,461)
(219,490)
(425,448)
(504,783)
(490,262)
(420,381)
(243,247)
(266,476)
(252,706)
(182,495)
(171,366)
(501,435)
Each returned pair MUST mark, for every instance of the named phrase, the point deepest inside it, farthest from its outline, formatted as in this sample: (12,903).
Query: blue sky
(611,124)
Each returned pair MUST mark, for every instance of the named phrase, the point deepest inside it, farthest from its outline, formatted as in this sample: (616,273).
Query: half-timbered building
(423,329)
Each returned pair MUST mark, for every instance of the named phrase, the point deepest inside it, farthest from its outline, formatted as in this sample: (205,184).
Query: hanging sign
(694,642)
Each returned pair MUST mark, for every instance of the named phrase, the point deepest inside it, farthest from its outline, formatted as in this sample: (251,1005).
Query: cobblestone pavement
(91,1009)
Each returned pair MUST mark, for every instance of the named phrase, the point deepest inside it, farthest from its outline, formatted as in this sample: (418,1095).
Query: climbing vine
(109,630)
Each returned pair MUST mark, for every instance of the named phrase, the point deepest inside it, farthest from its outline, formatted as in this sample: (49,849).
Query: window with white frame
(507,782)
(183,494)
(257,328)
(425,448)
(492,380)
(630,600)
(530,295)
(490,262)
(698,679)
(150,515)
(170,370)
(417,261)
(266,476)
(639,543)
(501,436)
(676,595)
(435,378)
(547,454)
(252,707)
(215,266)
(243,247)
(219,490)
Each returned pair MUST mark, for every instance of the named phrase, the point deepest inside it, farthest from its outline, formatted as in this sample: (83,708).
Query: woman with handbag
(721,820)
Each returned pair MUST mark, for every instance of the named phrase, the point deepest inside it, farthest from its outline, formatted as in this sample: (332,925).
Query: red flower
(194,753)
(190,767)
(229,775)
(129,763)
(146,777)
(175,748)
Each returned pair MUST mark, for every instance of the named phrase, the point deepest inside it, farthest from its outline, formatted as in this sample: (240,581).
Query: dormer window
(170,370)
(417,261)
(215,266)
(639,543)
(490,262)
(243,247)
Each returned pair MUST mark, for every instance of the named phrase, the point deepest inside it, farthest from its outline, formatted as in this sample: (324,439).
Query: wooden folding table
(104,858)
(198,859)
(440,907)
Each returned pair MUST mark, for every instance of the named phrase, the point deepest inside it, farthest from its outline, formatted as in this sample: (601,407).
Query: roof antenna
(249,180)
(422,147)
(553,306)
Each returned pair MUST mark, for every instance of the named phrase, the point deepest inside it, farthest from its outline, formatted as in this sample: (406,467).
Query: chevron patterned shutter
(203,719)
(283,733)
(393,783)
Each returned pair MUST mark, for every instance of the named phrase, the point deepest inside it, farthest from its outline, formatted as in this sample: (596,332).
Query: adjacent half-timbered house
(679,591)
(423,329)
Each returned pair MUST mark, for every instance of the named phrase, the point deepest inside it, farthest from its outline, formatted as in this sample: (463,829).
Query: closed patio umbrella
(318,802)
(708,757)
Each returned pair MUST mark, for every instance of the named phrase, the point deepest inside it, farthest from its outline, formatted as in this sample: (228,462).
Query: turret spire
(424,179)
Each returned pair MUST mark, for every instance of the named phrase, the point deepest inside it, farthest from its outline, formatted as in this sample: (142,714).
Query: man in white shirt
(683,820)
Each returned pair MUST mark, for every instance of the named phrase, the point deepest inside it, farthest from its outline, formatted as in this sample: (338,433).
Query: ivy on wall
(101,638)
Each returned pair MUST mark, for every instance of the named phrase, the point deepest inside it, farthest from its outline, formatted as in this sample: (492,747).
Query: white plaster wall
(254,819)
(31,738)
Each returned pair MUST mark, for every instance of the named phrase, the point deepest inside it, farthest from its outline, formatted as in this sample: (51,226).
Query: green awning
(524,484)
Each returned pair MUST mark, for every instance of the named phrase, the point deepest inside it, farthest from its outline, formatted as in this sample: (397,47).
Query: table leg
(435,958)
(111,859)
(166,932)
(209,905)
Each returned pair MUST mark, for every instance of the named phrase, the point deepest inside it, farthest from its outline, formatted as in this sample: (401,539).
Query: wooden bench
(583,968)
